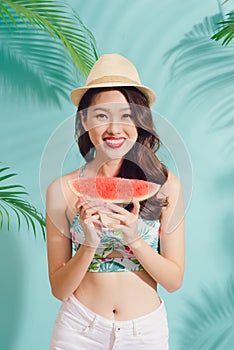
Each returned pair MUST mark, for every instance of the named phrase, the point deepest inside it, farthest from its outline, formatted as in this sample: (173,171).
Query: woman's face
(110,124)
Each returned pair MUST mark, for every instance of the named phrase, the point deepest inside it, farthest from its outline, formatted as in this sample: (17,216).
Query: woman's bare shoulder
(172,184)
(59,187)
(62,180)
(173,180)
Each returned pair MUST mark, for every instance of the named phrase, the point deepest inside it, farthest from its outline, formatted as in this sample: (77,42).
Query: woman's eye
(101,116)
(126,115)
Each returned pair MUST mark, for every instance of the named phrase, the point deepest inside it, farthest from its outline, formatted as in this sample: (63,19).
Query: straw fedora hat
(112,70)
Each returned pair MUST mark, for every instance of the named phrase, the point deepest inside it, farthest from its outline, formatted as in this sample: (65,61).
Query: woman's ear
(83,119)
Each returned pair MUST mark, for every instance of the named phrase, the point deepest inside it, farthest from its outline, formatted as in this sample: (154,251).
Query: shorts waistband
(79,308)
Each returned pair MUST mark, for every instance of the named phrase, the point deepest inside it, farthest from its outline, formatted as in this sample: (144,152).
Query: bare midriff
(118,295)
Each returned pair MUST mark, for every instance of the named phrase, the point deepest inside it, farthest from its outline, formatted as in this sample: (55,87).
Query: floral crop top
(112,240)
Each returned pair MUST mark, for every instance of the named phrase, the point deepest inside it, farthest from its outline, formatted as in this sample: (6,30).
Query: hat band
(111,79)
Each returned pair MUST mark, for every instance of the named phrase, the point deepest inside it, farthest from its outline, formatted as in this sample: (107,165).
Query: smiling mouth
(114,142)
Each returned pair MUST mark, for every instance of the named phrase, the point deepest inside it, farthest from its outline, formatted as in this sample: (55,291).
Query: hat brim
(77,94)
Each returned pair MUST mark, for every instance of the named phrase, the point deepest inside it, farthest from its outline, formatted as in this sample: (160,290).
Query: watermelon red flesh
(113,189)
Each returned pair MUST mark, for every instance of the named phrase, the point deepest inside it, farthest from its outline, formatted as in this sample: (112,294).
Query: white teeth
(114,142)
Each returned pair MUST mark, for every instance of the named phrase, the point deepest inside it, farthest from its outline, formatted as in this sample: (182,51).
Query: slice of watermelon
(113,189)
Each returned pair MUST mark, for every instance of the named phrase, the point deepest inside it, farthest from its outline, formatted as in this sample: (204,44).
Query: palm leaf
(226,30)
(54,18)
(40,67)
(204,66)
(208,324)
(9,198)
(46,47)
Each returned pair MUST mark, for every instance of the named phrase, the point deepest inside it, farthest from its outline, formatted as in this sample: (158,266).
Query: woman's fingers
(94,205)
(115,208)
(89,214)
(124,218)
(119,217)
(119,209)
(97,211)
(78,203)
(136,206)
(95,202)
(91,219)
(88,209)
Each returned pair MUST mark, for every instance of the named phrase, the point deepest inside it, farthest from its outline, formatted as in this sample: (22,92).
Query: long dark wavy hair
(141,161)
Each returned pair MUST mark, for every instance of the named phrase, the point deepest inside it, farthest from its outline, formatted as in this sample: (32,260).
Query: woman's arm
(166,268)
(65,272)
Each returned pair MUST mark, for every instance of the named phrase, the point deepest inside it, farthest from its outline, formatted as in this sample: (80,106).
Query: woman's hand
(125,221)
(90,221)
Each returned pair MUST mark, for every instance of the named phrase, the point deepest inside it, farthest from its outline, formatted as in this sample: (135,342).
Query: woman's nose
(114,128)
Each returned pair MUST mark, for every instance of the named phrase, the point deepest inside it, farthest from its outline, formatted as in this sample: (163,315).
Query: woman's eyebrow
(125,109)
(101,109)
(109,110)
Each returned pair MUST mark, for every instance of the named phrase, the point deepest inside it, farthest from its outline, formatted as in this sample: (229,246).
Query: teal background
(191,95)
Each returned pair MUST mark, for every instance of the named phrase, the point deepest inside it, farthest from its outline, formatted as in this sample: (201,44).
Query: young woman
(108,286)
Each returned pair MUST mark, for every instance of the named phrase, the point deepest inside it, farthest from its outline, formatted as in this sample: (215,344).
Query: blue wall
(194,100)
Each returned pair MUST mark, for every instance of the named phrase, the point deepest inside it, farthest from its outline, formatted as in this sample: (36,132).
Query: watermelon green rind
(154,190)
(109,189)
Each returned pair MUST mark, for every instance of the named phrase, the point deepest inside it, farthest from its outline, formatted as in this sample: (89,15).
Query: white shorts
(79,328)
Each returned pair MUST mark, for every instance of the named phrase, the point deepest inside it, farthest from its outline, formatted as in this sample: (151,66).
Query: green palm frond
(54,18)
(34,72)
(204,66)
(10,197)
(195,51)
(208,323)
(226,30)
(45,46)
